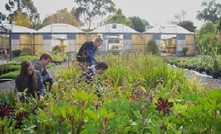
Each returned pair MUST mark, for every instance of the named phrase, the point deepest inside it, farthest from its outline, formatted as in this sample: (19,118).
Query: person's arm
(43,73)
(92,58)
(46,76)
(18,84)
(37,67)
(80,53)
(41,88)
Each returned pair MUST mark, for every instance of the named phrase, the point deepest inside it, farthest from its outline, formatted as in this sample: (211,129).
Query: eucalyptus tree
(119,17)
(26,7)
(138,24)
(180,20)
(188,25)
(89,10)
(62,16)
(211,11)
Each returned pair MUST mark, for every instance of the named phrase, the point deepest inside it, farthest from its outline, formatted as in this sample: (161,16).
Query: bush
(16,52)
(56,49)
(185,49)
(152,47)
(10,75)
(15,67)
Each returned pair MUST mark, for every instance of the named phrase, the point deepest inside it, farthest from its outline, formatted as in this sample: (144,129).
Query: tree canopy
(188,25)
(138,24)
(89,9)
(118,17)
(211,11)
(26,7)
(62,16)
(181,21)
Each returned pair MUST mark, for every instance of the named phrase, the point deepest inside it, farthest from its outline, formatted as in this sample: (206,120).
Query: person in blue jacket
(41,66)
(30,79)
(85,56)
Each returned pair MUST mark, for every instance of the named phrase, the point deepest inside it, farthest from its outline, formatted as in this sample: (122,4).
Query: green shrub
(56,57)
(16,52)
(15,67)
(56,49)
(10,75)
(219,24)
(185,49)
(27,57)
(152,47)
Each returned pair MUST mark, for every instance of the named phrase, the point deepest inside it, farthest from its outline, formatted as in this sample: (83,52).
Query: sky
(154,11)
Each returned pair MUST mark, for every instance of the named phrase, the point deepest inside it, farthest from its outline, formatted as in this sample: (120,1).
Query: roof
(120,28)
(60,28)
(18,29)
(168,29)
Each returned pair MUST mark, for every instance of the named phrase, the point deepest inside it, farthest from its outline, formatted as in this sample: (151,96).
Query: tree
(210,12)
(208,27)
(138,24)
(152,47)
(118,17)
(62,16)
(180,16)
(89,9)
(219,29)
(24,6)
(21,19)
(203,36)
(188,25)
(145,22)
(73,12)
(180,20)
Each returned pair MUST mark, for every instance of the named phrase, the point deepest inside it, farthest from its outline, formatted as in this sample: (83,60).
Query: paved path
(202,78)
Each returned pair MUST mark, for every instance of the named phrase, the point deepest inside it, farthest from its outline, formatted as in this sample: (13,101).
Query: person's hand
(50,80)
(79,64)
(94,62)
(41,97)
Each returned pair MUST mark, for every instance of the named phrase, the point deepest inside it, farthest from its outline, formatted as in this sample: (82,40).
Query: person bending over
(85,56)
(30,79)
(41,65)
(90,76)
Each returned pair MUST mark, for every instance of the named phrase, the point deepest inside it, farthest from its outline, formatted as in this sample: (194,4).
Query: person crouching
(30,79)
(90,76)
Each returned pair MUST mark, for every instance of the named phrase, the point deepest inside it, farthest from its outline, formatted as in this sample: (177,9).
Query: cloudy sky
(154,11)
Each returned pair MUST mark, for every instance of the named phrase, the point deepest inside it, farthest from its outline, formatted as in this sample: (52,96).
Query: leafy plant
(141,94)
(215,66)
(16,52)
(219,29)
(10,75)
(56,49)
(185,49)
(152,47)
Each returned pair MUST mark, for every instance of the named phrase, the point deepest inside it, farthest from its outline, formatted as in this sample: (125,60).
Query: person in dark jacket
(85,56)
(30,79)
(41,65)
(90,76)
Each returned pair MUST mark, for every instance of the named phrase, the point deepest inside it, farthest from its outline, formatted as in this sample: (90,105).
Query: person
(41,65)
(85,56)
(30,79)
(90,76)
(5,52)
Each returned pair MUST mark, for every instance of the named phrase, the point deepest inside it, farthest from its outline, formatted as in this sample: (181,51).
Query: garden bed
(141,94)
